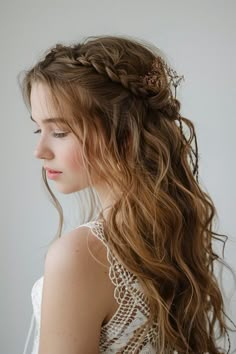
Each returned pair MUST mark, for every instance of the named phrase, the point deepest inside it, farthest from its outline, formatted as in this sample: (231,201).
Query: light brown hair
(161,228)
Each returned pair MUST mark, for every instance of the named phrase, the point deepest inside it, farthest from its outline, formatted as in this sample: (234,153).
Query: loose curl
(161,225)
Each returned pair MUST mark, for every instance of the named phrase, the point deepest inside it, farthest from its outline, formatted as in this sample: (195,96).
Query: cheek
(74,160)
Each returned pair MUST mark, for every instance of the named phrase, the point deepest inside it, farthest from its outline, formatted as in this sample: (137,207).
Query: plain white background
(198,38)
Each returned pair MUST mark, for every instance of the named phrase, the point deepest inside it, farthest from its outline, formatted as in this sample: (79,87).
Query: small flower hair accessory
(155,75)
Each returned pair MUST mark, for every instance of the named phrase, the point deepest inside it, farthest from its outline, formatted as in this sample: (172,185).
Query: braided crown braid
(129,82)
(144,87)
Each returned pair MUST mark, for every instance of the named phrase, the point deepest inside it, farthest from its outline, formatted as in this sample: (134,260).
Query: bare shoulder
(79,245)
(77,294)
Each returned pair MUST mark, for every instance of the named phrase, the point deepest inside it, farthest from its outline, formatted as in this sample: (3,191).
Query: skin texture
(78,296)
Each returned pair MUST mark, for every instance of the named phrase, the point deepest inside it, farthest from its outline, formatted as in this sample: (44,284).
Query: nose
(42,151)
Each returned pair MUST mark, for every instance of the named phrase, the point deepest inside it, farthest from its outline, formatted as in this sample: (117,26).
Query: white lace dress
(126,331)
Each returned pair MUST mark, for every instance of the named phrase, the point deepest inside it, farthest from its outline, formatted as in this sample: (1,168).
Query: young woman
(139,278)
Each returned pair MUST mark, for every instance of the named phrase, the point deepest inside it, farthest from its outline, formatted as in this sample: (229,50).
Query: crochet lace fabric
(127,331)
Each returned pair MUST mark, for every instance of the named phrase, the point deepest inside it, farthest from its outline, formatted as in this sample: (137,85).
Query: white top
(123,332)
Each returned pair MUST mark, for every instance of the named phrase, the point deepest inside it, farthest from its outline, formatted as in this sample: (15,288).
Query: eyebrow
(50,120)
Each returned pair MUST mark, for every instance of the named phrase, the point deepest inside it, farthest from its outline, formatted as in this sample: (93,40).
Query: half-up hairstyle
(115,94)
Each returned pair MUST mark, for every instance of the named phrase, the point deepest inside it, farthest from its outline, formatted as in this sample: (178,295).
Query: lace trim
(127,329)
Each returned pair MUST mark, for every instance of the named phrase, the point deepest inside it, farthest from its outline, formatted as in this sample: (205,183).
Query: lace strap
(127,329)
(125,282)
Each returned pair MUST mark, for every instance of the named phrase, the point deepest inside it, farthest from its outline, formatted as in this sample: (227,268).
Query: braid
(128,81)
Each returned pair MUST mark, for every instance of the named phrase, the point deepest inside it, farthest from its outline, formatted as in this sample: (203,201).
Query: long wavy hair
(160,227)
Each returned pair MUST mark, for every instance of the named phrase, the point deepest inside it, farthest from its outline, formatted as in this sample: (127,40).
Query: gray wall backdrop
(199,39)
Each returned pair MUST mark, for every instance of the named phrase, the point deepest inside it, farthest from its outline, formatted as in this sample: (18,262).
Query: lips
(51,171)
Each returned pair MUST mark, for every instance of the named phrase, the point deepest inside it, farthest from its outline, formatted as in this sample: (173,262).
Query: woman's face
(57,147)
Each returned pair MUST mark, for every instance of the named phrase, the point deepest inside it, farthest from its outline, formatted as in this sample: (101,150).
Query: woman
(139,278)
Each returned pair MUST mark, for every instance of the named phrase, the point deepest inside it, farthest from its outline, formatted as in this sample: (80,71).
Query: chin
(69,190)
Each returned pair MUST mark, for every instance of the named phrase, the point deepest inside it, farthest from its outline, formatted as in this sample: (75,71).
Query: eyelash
(56,135)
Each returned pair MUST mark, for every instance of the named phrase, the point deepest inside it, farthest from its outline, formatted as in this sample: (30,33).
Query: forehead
(41,102)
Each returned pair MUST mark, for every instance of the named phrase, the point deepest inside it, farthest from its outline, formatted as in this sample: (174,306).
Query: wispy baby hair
(115,94)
